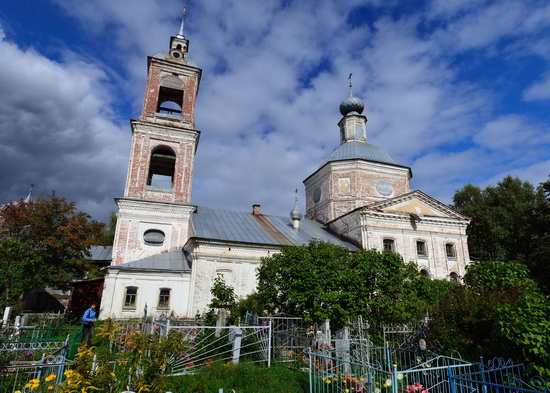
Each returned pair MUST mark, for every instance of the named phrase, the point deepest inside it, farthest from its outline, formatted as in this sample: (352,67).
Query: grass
(243,378)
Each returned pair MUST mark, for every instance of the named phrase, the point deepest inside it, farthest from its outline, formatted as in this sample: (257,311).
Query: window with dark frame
(164,298)
(450,250)
(389,245)
(130,297)
(421,249)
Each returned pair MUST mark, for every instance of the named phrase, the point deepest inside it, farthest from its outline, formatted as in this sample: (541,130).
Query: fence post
(310,372)
(482,369)
(451,380)
(393,376)
(167,326)
(269,343)
(388,356)
(235,335)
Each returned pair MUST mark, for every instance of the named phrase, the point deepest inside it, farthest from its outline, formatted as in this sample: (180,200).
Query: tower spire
(29,197)
(180,34)
(350,86)
(296,215)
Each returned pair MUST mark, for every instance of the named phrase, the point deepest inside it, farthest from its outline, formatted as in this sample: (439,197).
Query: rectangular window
(389,245)
(164,299)
(450,250)
(421,249)
(130,297)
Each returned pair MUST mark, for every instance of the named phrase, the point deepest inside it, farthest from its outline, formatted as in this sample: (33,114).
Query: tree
(323,281)
(539,257)
(502,218)
(43,243)
(499,312)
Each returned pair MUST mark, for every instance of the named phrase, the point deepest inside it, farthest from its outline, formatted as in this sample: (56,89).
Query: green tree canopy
(323,281)
(499,312)
(502,218)
(43,243)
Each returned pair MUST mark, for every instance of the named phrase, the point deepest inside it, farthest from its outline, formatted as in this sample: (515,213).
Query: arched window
(170,99)
(162,167)
(454,277)
(425,272)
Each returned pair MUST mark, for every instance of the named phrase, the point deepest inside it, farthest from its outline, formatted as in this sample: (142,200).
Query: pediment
(415,203)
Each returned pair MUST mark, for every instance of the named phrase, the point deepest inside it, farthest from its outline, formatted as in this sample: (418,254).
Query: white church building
(168,251)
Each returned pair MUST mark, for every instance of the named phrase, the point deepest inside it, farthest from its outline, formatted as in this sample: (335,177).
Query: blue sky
(457,90)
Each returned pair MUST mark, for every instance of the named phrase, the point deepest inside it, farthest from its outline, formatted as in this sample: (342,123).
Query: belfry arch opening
(170,100)
(162,167)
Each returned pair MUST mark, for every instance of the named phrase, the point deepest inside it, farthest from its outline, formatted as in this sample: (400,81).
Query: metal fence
(499,376)
(209,344)
(383,370)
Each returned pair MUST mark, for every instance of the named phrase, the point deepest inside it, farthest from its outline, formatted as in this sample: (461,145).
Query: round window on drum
(154,237)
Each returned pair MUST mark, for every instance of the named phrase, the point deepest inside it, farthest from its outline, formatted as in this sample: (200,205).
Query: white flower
(388,382)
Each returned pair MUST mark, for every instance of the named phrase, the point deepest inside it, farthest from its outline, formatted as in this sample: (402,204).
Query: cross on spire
(350,86)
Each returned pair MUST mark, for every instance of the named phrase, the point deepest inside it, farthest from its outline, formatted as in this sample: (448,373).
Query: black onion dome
(351,104)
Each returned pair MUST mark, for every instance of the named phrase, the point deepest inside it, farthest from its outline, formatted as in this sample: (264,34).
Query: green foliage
(499,312)
(223,295)
(323,281)
(243,378)
(48,233)
(502,217)
(16,261)
(107,236)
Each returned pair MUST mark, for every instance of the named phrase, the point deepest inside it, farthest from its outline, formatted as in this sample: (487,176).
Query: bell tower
(153,215)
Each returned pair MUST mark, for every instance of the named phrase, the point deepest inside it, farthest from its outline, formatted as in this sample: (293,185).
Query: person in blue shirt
(88,321)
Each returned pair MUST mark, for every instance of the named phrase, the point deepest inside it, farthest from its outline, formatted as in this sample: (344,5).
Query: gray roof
(352,150)
(229,225)
(174,261)
(101,253)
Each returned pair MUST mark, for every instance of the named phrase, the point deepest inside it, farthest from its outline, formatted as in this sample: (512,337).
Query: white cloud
(274,74)
(539,90)
(56,130)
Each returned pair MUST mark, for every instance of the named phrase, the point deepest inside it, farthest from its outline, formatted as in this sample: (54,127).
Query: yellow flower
(50,377)
(50,387)
(34,381)
(17,391)
(362,379)
(324,378)
(329,381)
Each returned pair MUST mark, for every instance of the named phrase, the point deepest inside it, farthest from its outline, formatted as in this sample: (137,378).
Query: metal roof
(174,261)
(352,150)
(230,225)
(101,253)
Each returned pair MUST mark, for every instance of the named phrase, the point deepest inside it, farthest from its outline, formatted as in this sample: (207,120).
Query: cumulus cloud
(56,130)
(274,73)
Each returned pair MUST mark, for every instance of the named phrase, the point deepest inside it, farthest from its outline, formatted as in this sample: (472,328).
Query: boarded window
(154,237)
